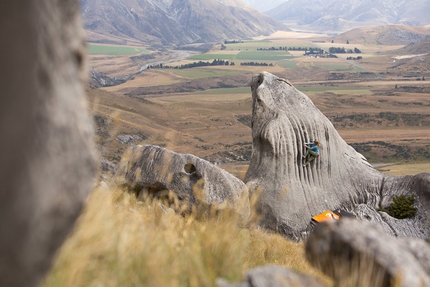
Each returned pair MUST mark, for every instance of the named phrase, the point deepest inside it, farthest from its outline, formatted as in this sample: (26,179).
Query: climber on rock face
(312,151)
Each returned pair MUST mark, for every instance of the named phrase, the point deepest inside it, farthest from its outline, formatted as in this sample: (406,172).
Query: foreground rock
(283,119)
(154,171)
(47,161)
(273,276)
(357,253)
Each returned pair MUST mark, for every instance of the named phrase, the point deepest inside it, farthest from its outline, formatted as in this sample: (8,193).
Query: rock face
(47,158)
(273,276)
(283,119)
(357,253)
(153,171)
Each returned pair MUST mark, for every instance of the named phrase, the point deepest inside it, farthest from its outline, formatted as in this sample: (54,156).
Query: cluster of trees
(354,58)
(232,41)
(289,49)
(255,64)
(338,50)
(215,62)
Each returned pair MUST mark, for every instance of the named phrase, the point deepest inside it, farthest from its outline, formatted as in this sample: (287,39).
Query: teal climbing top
(311,146)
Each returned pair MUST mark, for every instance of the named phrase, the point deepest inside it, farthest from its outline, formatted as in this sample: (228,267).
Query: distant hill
(421,47)
(173,22)
(342,15)
(384,35)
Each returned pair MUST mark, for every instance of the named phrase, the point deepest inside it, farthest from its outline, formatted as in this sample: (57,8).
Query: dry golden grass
(121,242)
(406,168)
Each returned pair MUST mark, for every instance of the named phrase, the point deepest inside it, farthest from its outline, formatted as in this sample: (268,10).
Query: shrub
(402,207)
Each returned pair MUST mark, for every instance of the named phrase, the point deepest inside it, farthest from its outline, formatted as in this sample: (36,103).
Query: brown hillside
(384,35)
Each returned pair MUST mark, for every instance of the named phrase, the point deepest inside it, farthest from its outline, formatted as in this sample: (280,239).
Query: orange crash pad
(325,216)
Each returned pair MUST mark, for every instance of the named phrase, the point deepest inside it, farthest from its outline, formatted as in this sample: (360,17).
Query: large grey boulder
(47,161)
(359,253)
(272,276)
(283,119)
(193,182)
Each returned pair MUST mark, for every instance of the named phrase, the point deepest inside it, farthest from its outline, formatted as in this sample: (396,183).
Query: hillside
(173,22)
(415,58)
(384,35)
(420,47)
(337,15)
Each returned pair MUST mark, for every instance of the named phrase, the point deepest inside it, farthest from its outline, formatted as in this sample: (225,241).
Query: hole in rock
(189,168)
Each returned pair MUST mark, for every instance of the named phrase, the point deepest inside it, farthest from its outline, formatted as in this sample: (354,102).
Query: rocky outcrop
(152,171)
(273,276)
(47,155)
(357,253)
(283,119)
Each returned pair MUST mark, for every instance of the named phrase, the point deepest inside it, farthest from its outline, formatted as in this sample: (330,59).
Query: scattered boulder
(272,276)
(127,139)
(289,194)
(154,171)
(48,159)
(360,253)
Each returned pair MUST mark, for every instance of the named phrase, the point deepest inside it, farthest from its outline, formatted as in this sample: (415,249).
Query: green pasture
(263,56)
(114,50)
(207,57)
(205,72)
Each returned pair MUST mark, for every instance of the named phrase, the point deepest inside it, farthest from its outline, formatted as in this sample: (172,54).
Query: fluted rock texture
(283,119)
(152,171)
(47,164)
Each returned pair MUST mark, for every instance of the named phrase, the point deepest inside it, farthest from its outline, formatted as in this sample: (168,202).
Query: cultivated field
(116,50)
(206,111)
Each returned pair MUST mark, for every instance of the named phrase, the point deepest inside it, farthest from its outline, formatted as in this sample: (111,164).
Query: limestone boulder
(48,159)
(191,181)
(359,253)
(289,194)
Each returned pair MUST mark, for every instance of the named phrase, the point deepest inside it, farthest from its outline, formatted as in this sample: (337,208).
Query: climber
(312,151)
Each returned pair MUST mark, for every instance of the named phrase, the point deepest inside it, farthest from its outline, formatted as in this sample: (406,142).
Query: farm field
(116,50)
(206,110)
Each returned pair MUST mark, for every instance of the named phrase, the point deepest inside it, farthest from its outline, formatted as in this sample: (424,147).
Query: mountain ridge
(337,15)
(173,22)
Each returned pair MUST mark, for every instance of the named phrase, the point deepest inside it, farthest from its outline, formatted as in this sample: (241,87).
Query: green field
(264,55)
(205,72)
(206,57)
(114,50)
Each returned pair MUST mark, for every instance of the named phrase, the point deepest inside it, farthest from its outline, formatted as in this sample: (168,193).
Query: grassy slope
(121,242)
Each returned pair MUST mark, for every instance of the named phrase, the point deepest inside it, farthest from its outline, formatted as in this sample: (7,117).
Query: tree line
(215,62)
(290,49)
(255,64)
(338,50)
